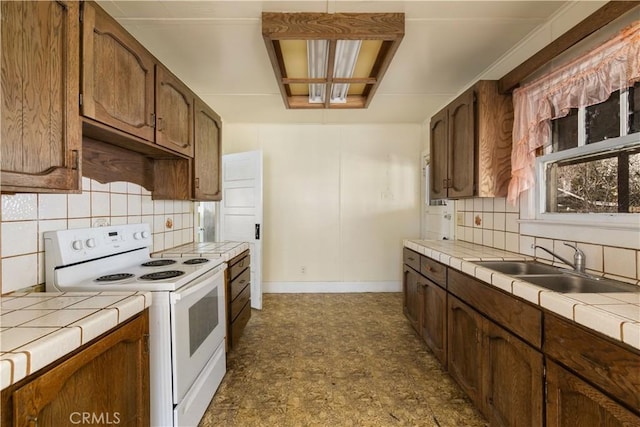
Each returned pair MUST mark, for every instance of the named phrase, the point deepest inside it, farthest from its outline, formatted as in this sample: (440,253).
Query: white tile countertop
(225,250)
(616,315)
(37,328)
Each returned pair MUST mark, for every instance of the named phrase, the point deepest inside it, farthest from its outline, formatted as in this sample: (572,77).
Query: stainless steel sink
(518,268)
(557,279)
(570,283)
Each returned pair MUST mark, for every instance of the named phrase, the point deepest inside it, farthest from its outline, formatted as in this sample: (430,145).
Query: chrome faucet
(578,263)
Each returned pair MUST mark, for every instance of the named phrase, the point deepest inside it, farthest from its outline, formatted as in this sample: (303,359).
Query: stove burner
(159,275)
(114,277)
(196,261)
(158,263)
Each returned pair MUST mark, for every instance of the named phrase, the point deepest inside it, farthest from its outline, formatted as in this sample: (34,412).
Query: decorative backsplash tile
(25,218)
(494,222)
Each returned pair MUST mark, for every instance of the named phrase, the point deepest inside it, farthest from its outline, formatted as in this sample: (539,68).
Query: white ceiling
(216,48)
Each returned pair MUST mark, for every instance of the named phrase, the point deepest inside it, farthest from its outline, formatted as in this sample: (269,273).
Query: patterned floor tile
(335,360)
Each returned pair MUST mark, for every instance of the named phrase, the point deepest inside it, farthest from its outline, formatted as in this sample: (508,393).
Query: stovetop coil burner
(114,277)
(196,261)
(158,263)
(160,275)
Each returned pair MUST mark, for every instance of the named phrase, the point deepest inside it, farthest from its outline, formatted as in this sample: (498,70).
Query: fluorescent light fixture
(346,56)
(318,59)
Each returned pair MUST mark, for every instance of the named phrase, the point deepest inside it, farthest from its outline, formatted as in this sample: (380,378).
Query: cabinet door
(573,402)
(207,159)
(117,75)
(41,133)
(513,379)
(461,169)
(464,345)
(174,113)
(108,380)
(411,301)
(434,324)
(438,162)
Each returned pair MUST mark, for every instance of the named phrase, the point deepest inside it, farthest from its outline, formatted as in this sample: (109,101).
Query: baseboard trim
(329,287)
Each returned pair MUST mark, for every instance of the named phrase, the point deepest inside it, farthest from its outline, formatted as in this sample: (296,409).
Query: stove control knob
(91,243)
(77,245)
(139,235)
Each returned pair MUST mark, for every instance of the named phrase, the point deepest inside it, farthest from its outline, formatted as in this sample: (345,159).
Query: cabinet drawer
(238,303)
(412,259)
(515,315)
(607,365)
(238,325)
(239,283)
(238,264)
(434,270)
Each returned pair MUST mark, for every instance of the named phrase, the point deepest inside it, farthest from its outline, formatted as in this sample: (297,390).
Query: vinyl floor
(335,360)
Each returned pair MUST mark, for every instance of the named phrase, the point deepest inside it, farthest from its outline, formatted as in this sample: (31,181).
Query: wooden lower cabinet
(464,348)
(513,379)
(572,401)
(434,319)
(105,383)
(238,294)
(497,346)
(411,299)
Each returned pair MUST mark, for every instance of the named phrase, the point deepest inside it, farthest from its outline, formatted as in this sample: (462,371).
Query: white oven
(187,313)
(197,333)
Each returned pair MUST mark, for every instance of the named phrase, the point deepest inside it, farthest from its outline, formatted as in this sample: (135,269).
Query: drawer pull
(242,281)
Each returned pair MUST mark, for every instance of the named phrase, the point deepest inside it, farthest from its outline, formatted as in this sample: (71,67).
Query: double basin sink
(557,279)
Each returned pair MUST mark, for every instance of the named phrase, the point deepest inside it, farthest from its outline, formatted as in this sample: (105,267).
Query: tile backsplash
(25,217)
(494,222)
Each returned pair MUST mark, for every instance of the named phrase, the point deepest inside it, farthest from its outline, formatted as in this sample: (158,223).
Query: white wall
(338,200)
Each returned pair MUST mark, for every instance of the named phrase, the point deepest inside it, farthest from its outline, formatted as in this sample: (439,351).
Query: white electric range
(187,314)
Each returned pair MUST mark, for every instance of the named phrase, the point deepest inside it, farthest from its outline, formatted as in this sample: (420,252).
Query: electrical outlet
(303,269)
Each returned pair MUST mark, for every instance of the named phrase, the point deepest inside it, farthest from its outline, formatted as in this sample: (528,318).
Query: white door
(241,210)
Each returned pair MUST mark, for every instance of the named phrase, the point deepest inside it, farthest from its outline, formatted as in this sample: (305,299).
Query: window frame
(608,145)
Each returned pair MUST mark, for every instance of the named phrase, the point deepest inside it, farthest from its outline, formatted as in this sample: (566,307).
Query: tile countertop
(616,315)
(38,328)
(225,250)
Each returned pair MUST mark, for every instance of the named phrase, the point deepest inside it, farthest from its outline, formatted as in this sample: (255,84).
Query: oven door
(197,328)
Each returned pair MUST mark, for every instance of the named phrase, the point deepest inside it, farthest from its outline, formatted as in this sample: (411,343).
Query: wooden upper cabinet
(174,113)
(41,132)
(439,155)
(207,158)
(471,145)
(461,147)
(117,76)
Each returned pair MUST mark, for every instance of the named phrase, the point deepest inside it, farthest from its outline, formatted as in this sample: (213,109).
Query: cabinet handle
(444,183)
(76,159)
(160,127)
(197,182)
(411,258)
(33,421)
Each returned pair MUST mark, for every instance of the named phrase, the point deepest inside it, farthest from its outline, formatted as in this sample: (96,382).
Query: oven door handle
(200,283)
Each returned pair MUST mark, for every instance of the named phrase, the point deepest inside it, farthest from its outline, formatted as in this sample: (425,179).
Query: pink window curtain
(587,80)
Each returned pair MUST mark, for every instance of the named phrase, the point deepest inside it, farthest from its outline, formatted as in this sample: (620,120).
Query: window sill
(606,230)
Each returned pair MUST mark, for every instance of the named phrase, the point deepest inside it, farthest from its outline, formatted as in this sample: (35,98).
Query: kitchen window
(592,165)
